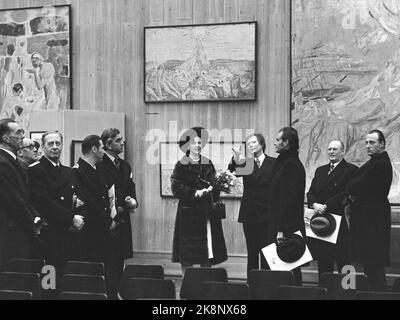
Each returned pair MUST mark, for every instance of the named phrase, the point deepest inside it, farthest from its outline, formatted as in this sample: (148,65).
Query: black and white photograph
(199,156)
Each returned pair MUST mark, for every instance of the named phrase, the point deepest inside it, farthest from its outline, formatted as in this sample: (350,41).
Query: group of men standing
(273,203)
(59,213)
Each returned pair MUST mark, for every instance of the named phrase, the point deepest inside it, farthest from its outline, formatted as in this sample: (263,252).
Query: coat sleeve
(336,201)
(311,195)
(180,188)
(12,199)
(371,181)
(44,203)
(245,168)
(289,188)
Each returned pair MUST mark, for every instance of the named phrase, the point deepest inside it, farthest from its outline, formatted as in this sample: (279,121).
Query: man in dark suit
(56,194)
(254,215)
(28,153)
(118,173)
(326,195)
(97,237)
(17,216)
(370,211)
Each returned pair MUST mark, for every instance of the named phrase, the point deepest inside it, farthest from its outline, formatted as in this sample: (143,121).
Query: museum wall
(108,58)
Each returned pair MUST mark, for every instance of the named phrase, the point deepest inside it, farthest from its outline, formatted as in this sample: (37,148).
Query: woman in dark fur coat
(198,236)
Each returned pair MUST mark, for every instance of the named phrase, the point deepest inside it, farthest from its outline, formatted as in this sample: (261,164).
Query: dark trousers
(298,277)
(376,278)
(258,236)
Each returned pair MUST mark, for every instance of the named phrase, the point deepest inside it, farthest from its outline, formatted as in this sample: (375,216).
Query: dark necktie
(258,162)
(117,163)
(331,169)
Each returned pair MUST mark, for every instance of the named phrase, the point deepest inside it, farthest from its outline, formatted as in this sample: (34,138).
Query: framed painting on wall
(219,153)
(346,79)
(35,61)
(215,62)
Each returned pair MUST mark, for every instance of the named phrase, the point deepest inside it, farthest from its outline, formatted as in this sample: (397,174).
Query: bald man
(326,195)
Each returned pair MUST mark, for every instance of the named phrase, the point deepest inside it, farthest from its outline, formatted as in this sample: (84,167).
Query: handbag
(218,210)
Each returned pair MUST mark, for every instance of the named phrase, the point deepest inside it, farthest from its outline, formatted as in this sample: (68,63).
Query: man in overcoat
(370,212)
(254,214)
(326,195)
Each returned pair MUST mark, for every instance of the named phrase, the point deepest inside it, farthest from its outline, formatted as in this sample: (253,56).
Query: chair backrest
(84,268)
(194,278)
(369,295)
(142,288)
(138,271)
(82,296)
(264,284)
(334,283)
(24,266)
(82,283)
(16,281)
(225,291)
(396,285)
(302,293)
(15,295)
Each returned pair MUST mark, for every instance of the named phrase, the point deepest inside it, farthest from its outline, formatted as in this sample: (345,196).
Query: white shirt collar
(10,153)
(336,164)
(53,163)
(261,159)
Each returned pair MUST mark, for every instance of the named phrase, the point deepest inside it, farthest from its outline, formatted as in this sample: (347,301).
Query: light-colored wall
(108,76)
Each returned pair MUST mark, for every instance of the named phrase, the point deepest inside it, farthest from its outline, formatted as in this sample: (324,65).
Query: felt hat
(323,225)
(291,249)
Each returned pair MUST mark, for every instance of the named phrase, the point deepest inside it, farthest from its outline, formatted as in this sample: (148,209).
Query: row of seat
(85,281)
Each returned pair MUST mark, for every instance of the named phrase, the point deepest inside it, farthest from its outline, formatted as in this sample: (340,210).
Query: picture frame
(35,42)
(200,63)
(220,153)
(36,136)
(344,80)
(76,151)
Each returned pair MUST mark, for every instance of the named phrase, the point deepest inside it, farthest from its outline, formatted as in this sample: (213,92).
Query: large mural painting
(346,78)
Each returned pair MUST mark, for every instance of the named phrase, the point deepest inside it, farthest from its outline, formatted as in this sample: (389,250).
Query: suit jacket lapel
(259,171)
(21,176)
(337,171)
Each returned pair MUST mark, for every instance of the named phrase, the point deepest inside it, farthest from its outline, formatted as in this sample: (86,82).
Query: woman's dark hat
(292,249)
(190,134)
(323,225)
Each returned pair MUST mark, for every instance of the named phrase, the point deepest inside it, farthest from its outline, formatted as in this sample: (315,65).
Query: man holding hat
(325,197)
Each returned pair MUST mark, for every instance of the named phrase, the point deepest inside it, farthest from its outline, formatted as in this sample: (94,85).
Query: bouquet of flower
(224,181)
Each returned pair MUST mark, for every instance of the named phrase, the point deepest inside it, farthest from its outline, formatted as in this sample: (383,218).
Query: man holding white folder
(325,196)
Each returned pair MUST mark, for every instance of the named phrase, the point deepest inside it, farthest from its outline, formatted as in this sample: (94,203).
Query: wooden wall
(108,76)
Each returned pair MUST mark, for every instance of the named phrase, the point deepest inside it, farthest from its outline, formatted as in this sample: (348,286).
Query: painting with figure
(200,63)
(346,78)
(34,61)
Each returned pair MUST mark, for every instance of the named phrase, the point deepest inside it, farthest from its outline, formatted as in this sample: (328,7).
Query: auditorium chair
(84,268)
(138,271)
(82,283)
(15,295)
(225,291)
(302,293)
(396,285)
(82,296)
(264,284)
(333,282)
(25,266)
(369,295)
(16,281)
(142,288)
(193,279)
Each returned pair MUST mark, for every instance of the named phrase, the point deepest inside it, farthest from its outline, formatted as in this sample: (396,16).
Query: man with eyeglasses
(28,153)
(17,215)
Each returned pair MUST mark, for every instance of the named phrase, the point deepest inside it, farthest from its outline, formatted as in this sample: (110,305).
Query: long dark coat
(287,193)
(52,192)
(124,187)
(330,190)
(370,213)
(16,212)
(190,236)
